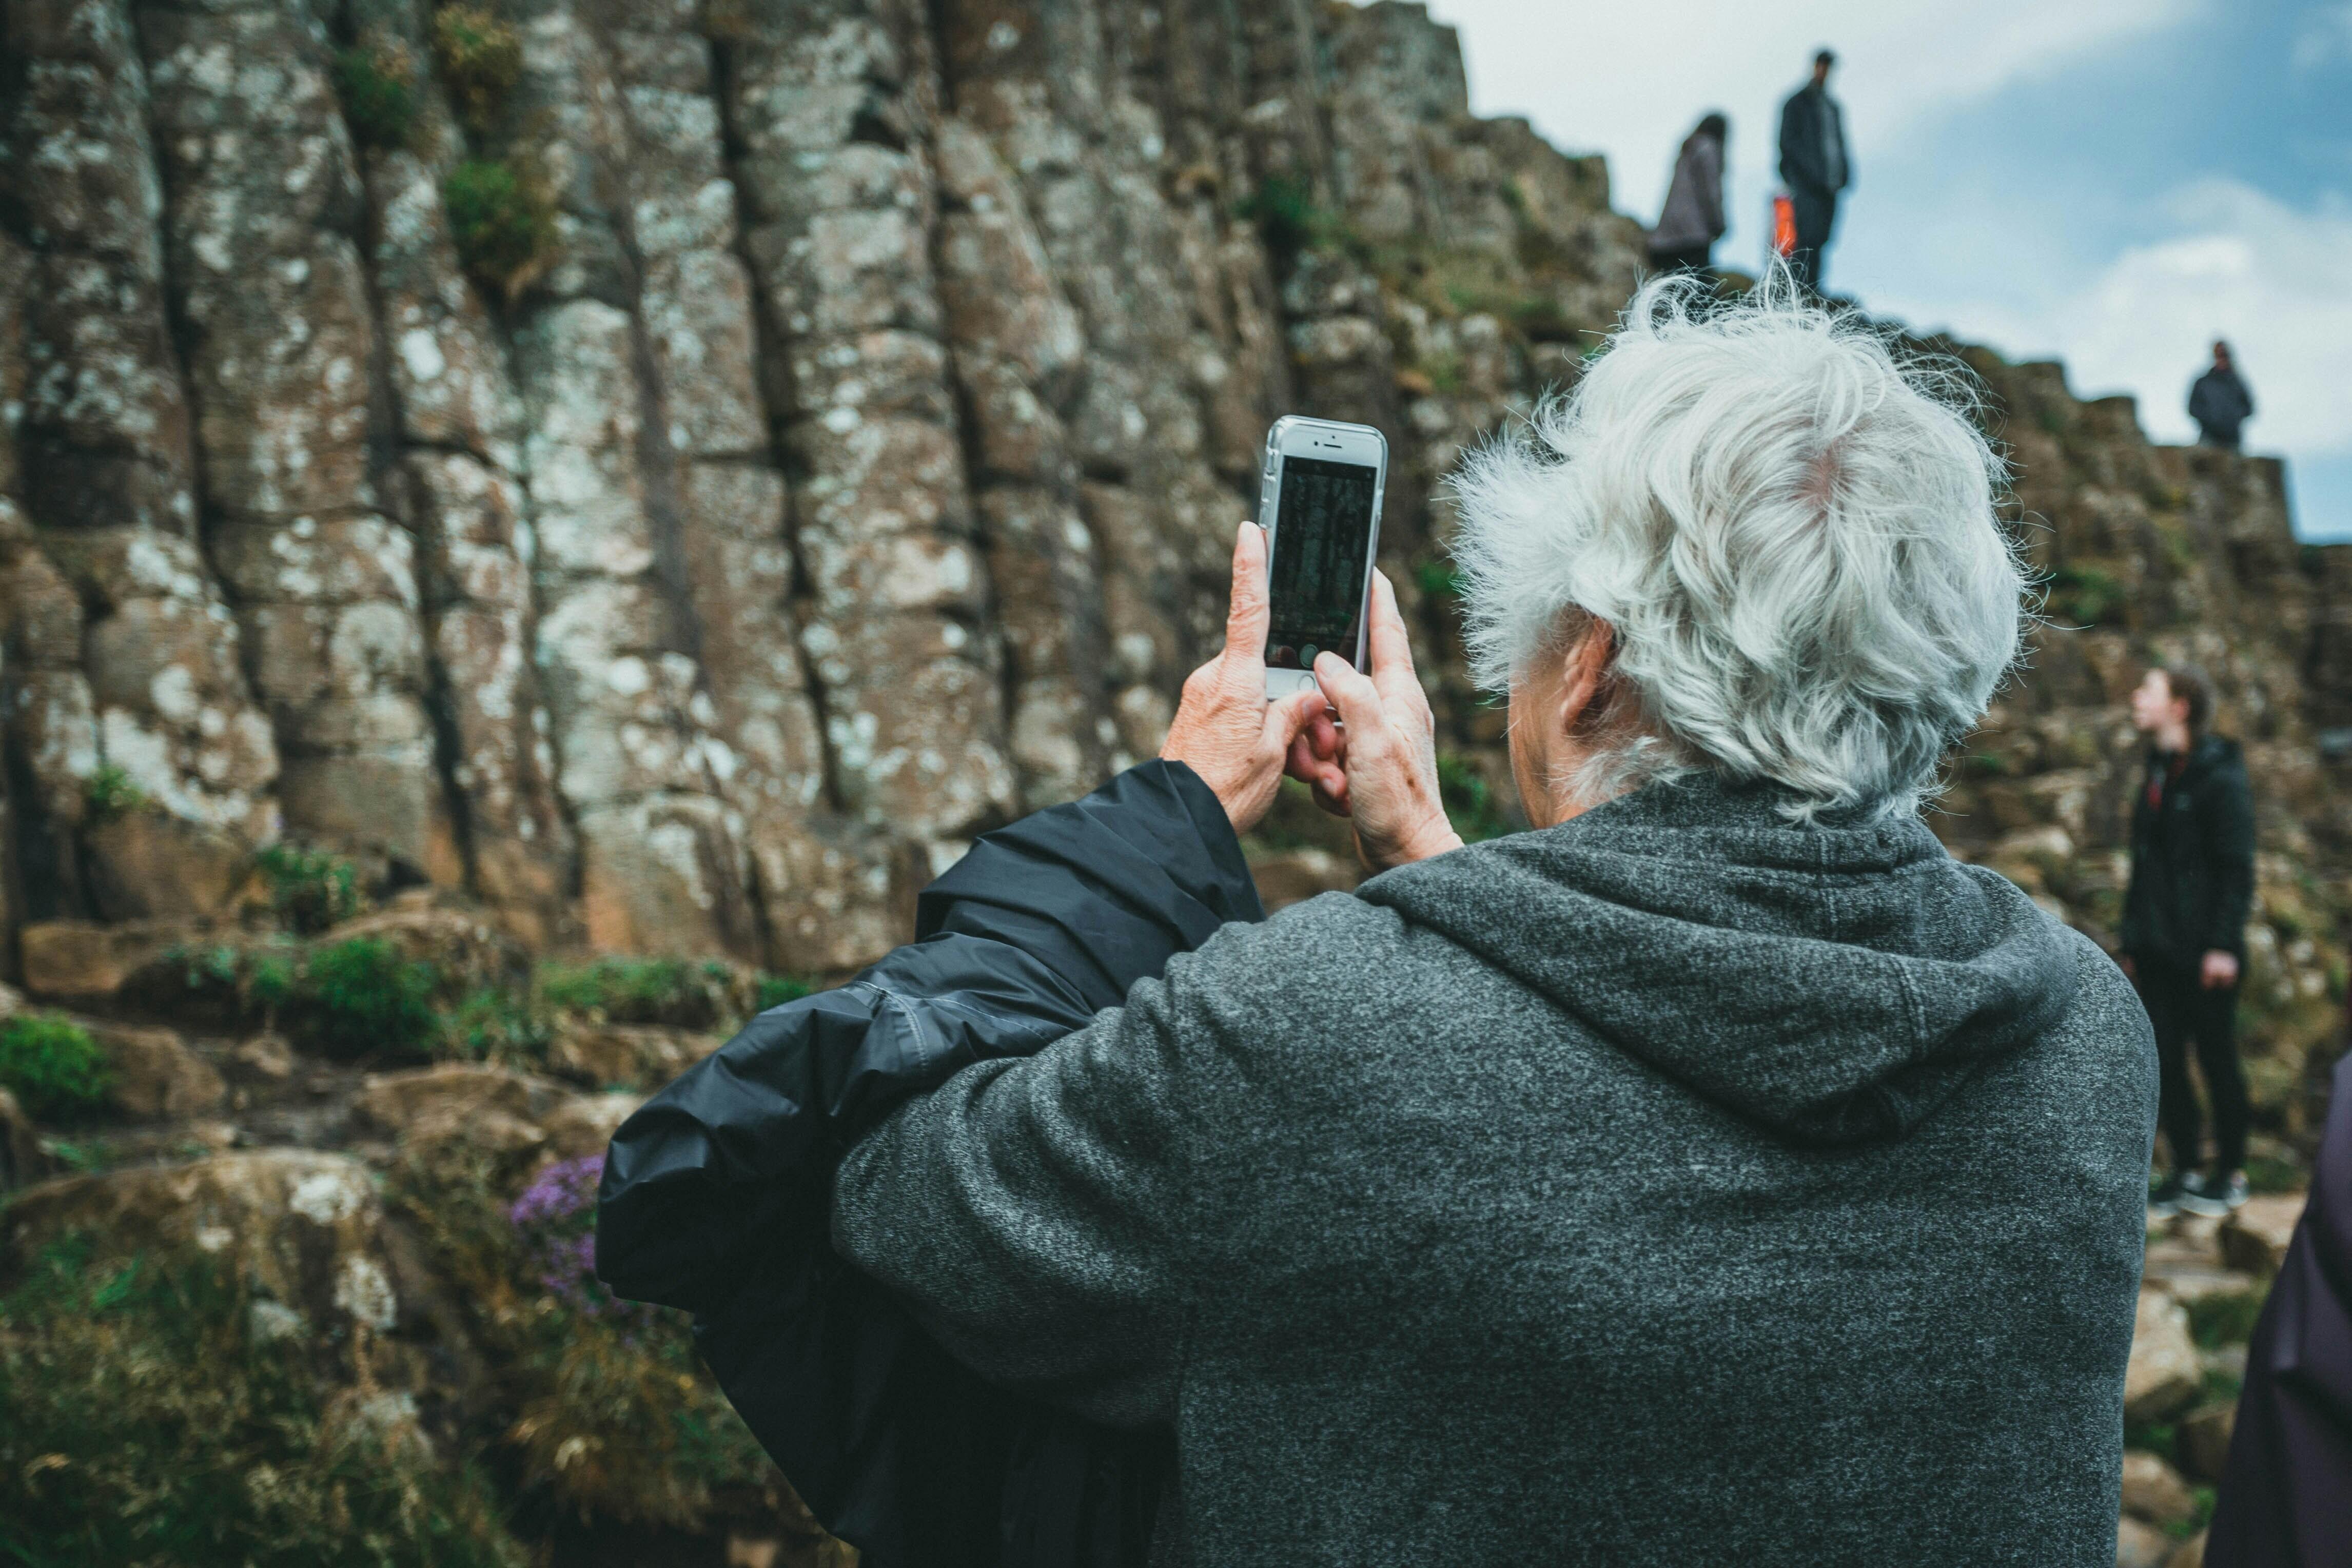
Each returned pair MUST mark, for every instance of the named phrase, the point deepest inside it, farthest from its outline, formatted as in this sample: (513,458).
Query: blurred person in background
(1685,239)
(1815,167)
(2184,933)
(2220,403)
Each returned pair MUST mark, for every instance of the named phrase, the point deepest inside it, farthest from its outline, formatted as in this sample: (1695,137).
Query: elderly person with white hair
(1719,1173)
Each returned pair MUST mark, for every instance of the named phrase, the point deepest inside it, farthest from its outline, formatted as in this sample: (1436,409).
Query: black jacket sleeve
(716,1193)
(1800,144)
(2226,807)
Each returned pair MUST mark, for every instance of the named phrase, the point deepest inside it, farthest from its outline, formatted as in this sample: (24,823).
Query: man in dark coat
(1815,167)
(2184,935)
(2220,401)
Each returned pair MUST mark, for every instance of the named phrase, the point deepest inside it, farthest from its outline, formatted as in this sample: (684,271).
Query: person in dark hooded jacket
(1685,239)
(1719,1171)
(2220,403)
(2184,930)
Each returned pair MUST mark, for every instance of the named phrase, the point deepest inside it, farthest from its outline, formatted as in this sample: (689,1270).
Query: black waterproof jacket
(2192,882)
(1810,119)
(715,1192)
(2219,404)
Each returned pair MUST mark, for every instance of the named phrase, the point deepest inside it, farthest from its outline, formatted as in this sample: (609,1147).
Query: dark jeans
(1691,258)
(1816,214)
(2183,1011)
(2223,435)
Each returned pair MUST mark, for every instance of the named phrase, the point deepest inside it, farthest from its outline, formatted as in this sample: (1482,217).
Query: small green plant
(1289,220)
(1469,801)
(775,990)
(498,1026)
(148,1424)
(1439,579)
(642,990)
(377,85)
(55,1069)
(309,888)
(503,218)
(480,59)
(110,792)
(2085,597)
(365,996)
(2224,1317)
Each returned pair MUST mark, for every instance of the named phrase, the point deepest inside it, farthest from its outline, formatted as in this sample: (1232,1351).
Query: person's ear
(1584,678)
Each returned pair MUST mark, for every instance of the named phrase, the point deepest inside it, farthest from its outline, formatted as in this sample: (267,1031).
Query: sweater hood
(1832,983)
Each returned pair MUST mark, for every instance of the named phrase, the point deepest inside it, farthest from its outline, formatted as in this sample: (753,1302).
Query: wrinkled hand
(2218,970)
(1226,730)
(1377,766)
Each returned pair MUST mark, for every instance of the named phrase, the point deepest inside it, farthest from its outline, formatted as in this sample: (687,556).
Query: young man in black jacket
(2184,936)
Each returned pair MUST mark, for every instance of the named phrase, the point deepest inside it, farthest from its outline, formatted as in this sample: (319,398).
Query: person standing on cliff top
(1814,166)
(2220,401)
(2184,936)
(1685,239)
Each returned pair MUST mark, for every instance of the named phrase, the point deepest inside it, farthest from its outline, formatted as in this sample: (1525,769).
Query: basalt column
(123,666)
(263,207)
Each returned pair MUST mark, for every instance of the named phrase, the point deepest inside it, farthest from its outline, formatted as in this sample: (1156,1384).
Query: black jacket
(2192,881)
(1802,156)
(716,1193)
(2220,403)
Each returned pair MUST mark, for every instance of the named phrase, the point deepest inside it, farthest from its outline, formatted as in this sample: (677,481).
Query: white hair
(1788,525)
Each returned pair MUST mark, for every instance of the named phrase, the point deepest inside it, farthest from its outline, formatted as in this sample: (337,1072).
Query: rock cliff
(483,483)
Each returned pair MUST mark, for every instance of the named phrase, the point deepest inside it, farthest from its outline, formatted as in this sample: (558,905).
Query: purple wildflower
(556,1219)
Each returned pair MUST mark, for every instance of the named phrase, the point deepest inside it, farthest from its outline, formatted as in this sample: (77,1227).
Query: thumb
(1352,693)
(1286,721)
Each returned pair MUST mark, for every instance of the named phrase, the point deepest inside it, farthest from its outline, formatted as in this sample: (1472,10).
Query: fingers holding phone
(1386,751)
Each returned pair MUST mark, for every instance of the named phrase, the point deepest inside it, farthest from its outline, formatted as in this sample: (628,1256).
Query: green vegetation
(613,1412)
(775,990)
(501,1027)
(2084,597)
(1439,579)
(377,85)
(1289,220)
(1470,801)
(2225,1317)
(311,890)
(365,996)
(110,792)
(53,1068)
(480,58)
(642,990)
(503,218)
(148,1424)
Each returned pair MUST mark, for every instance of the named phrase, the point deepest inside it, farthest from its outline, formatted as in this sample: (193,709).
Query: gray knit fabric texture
(1674,1186)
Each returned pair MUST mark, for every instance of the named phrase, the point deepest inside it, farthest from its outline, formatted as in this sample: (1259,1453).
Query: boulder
(582,1124)
(2163,1376)
(264,1059)
(156,1078)
(147,864)
(22,1160)
(78,958)
(2256,1238)
(636,1056)
(432,1112)
(2153,1491)
(306,1227)
(1297,875)
(2139,1545)
(466,952)
(2202,1441)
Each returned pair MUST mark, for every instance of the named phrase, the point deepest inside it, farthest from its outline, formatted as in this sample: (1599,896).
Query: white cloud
(2243,266)
(2325,35)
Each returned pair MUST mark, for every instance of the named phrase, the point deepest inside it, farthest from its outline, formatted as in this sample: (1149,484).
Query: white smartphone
(1320,506)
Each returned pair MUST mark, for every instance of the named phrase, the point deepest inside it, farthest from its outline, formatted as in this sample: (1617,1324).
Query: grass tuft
(365,996)
(503,218)
(480,58)
(109,792)
(377,86)
(55,1069)
(309,888)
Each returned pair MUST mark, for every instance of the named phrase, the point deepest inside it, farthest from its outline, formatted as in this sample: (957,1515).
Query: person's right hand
(1379,766)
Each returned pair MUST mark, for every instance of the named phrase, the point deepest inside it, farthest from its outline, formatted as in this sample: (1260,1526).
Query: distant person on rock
(2220,401)
(1685,239)
(2184,936)
(1815,167)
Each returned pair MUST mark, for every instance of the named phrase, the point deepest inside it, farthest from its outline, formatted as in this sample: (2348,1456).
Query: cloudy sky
(2115,182)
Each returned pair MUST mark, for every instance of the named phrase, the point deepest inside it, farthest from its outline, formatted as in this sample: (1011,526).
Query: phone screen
(1322,526)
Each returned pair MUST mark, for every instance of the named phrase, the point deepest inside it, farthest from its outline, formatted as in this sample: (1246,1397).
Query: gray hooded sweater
(1676,1186)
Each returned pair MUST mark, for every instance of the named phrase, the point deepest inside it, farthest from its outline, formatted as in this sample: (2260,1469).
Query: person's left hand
(1226,730)
(2218,970)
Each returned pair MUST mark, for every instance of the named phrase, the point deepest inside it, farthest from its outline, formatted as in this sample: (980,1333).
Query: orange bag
(1784,225)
